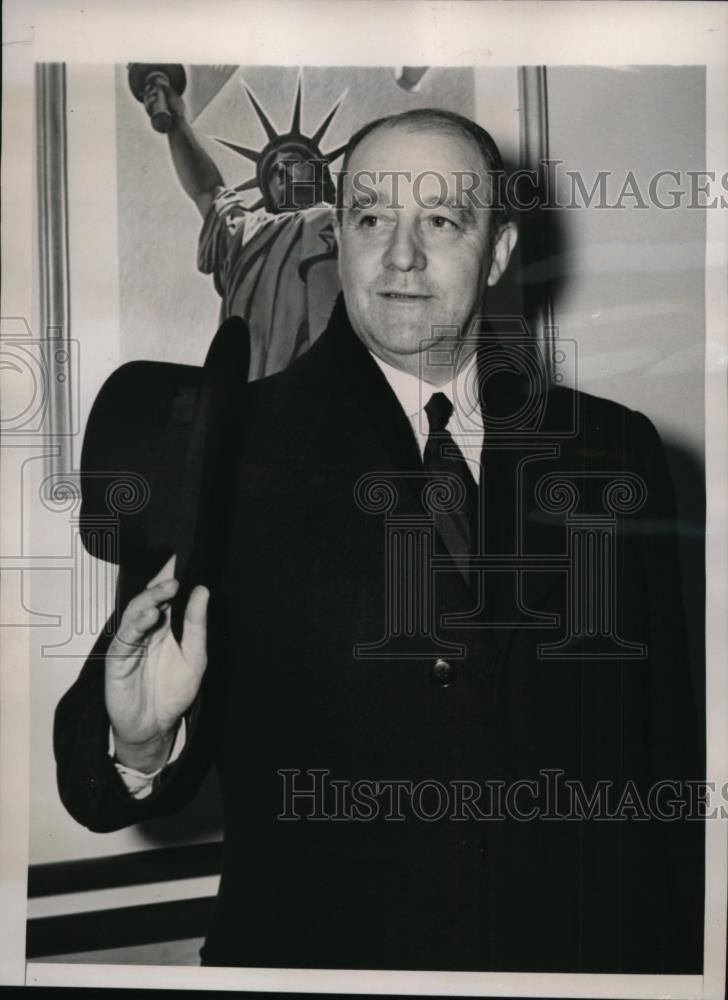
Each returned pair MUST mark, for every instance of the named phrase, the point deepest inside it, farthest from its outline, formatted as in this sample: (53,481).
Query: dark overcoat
(449,719)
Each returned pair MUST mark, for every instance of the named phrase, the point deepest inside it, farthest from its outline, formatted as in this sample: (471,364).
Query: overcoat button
(442,672)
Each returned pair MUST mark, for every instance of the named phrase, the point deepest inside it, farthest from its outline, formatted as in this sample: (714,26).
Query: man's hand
(156,83)
(151,680)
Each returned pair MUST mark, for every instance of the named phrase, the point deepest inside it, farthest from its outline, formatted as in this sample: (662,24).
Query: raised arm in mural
(273,262)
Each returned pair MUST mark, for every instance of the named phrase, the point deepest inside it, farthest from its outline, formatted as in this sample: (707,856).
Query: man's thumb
(194,629)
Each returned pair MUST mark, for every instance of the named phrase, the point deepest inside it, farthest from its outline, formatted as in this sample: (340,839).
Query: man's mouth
(405,296)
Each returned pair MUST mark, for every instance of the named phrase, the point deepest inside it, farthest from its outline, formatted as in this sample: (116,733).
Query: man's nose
(405,252)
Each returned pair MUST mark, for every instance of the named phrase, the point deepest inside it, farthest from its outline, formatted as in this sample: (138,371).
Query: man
(274,263)
(402,613)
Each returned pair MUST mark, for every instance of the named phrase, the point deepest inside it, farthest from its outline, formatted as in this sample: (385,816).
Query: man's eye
(442,222)
(368,221)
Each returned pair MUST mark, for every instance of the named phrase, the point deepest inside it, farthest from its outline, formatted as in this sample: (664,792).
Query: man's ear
(505,244)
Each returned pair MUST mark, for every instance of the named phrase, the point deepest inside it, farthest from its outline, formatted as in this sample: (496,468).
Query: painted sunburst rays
(292,140)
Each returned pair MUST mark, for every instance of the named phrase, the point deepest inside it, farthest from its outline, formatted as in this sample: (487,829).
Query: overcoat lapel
(515,400)
(371,395)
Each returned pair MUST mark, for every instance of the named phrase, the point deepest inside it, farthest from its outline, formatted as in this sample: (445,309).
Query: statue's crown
(308,147)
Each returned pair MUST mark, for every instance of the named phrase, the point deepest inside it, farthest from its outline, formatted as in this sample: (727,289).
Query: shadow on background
(535,277)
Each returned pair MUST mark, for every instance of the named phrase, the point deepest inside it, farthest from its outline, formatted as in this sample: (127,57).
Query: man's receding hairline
(441,126)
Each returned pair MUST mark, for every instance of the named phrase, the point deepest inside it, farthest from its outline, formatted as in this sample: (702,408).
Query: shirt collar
(413,393)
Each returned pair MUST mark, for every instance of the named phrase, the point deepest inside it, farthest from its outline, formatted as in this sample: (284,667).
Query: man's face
(292,182)
(416,253)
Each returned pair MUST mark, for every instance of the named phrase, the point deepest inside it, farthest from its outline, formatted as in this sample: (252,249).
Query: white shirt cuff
(139,784)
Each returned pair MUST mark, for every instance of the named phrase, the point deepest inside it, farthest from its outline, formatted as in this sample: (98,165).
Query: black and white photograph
(364,498)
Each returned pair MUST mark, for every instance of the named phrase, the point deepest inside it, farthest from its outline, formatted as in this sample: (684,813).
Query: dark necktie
(443,457)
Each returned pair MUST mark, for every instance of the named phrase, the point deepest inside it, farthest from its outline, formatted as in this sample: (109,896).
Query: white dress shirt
(466,422)
(413,394)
